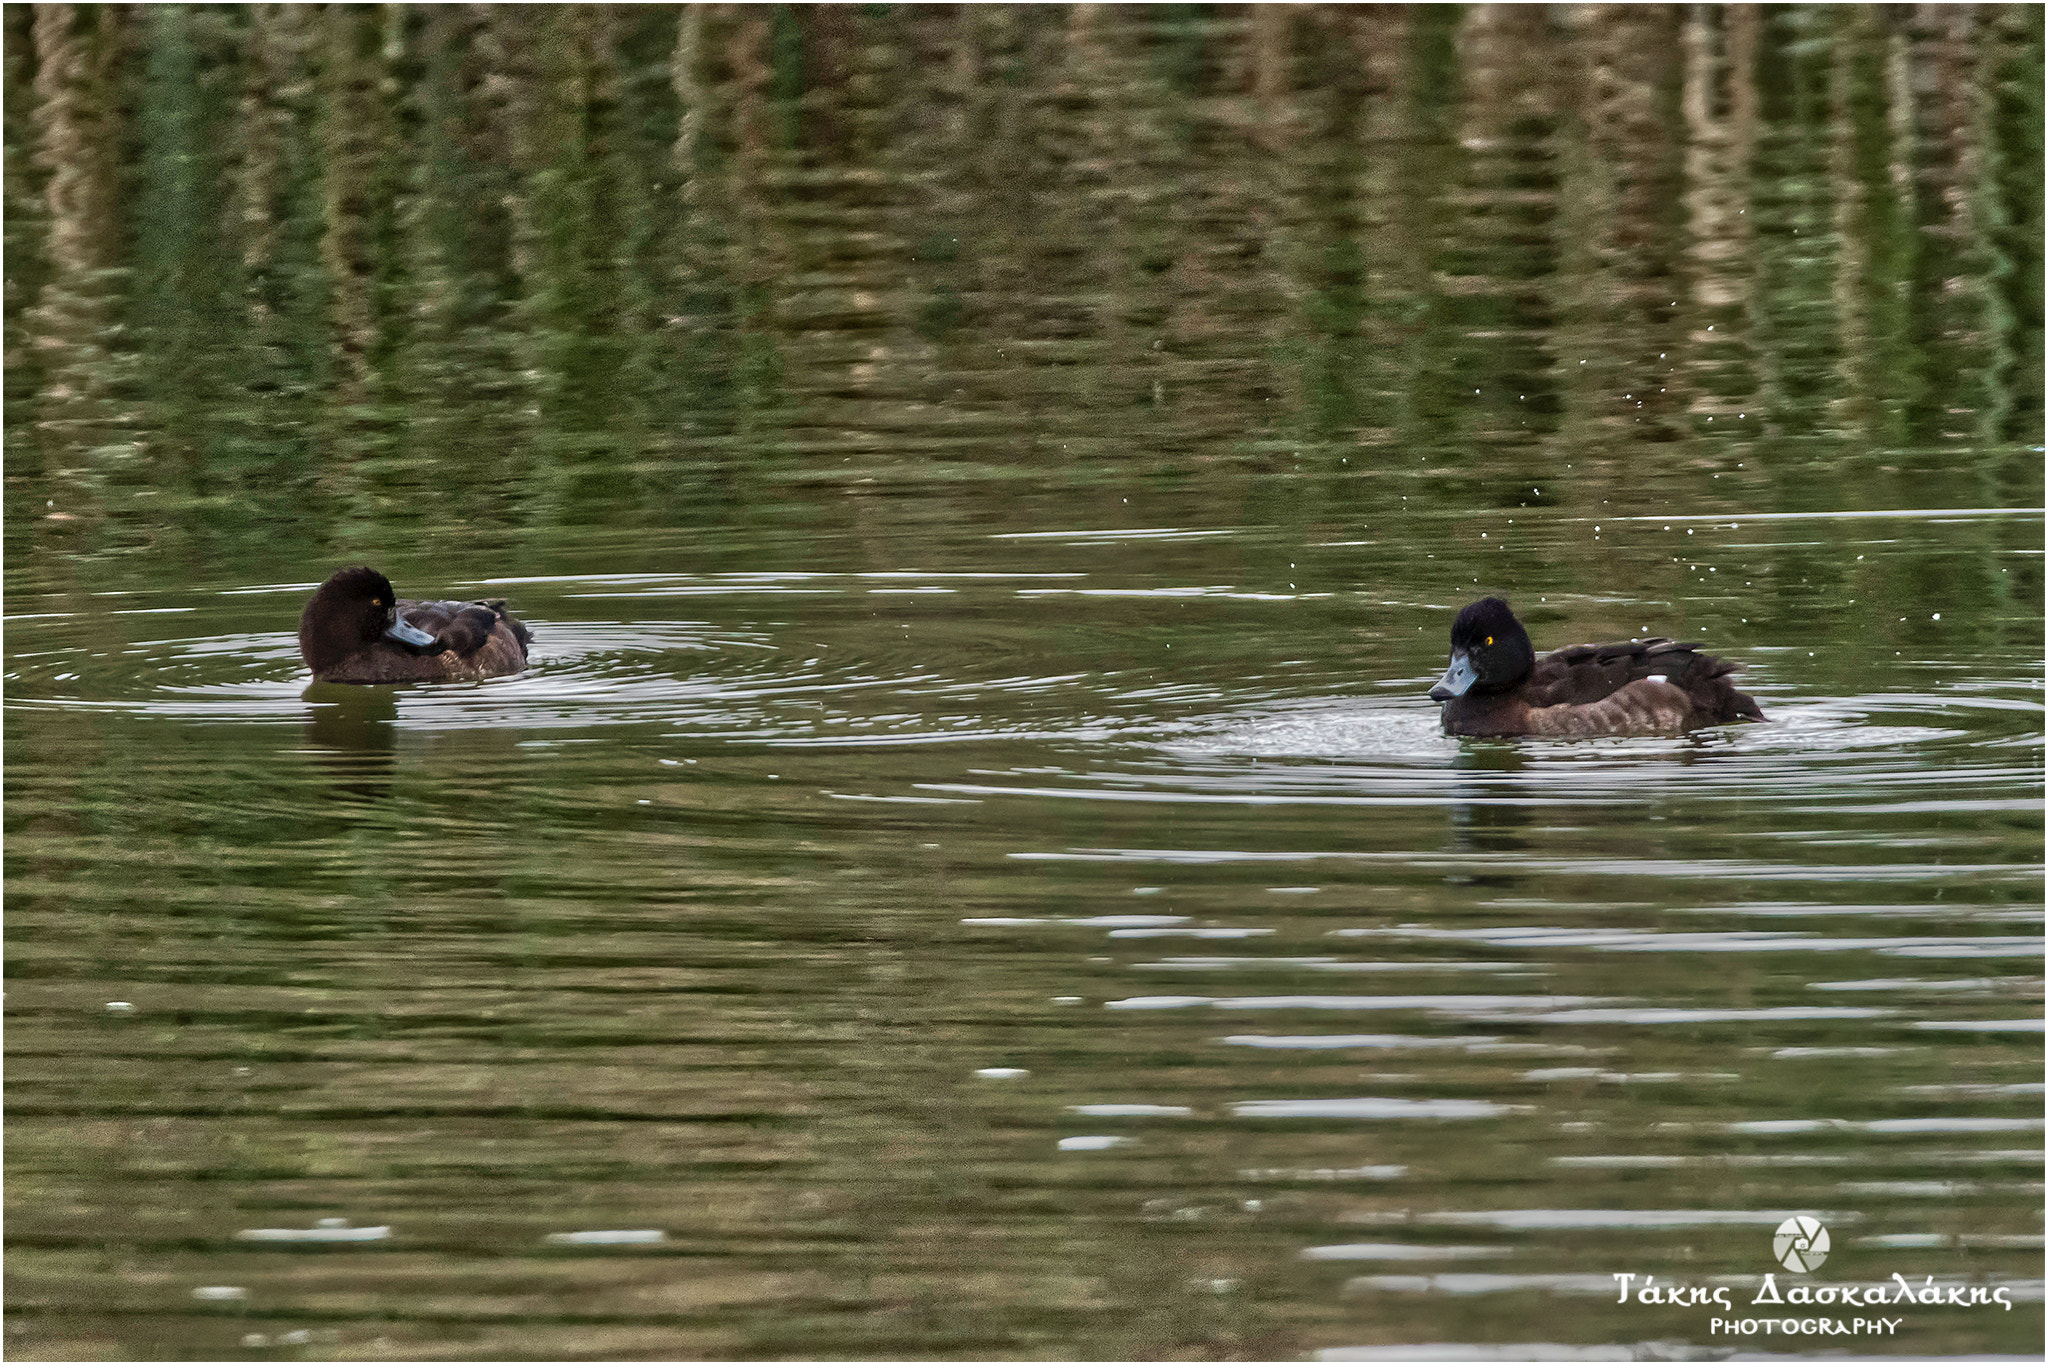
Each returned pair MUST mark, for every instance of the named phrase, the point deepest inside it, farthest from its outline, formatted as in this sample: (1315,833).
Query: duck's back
(481,638)
(1634,685)
(466,627)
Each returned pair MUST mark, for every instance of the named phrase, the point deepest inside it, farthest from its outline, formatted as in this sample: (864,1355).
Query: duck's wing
(1629,679)
(458,628)
(1578,675)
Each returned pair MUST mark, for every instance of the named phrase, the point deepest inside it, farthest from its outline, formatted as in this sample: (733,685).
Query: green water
(971,870)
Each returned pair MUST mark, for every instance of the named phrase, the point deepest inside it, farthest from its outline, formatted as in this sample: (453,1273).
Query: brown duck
(1497,686)
(356,630)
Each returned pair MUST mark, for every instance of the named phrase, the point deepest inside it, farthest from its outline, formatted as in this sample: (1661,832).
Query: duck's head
(1490,651)
(352,611)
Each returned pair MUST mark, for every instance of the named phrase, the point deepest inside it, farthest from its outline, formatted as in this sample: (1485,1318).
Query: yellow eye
(1489,639)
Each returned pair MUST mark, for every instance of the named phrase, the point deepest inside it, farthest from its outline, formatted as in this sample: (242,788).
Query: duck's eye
(1489,639)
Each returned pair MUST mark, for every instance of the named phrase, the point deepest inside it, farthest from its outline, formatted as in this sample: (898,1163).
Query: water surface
(971,870)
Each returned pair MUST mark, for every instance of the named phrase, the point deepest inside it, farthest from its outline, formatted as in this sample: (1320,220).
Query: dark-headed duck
(355,630)
(1497,686)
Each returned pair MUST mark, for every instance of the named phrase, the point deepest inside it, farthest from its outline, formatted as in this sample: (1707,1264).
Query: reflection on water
(760,935)
(970,870)
(354,737)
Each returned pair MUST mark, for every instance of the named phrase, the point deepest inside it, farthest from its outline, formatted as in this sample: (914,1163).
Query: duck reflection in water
(1491,810)
(352,733)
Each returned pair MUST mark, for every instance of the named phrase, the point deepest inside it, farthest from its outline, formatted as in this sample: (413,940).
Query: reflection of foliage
(597,248)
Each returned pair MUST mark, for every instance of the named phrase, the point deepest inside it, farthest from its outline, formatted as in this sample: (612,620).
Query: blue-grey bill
(405,631)
(1456,679)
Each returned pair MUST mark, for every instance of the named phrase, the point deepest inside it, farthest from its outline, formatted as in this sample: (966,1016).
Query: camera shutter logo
(1801,1244)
